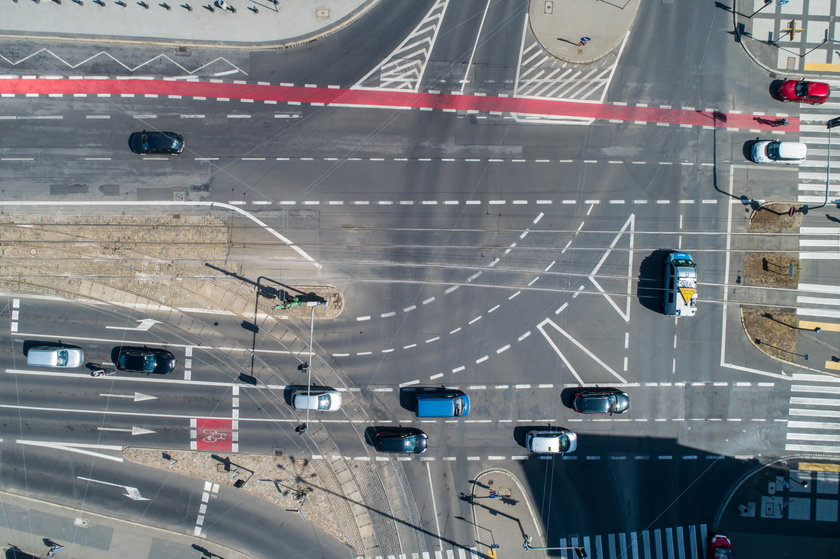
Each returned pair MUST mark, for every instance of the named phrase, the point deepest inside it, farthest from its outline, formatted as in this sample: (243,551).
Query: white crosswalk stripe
(814,413)
(813,172)
(818,243)
(678,542)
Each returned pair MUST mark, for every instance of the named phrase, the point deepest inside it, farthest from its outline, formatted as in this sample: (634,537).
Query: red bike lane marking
(214,434)
(389,99)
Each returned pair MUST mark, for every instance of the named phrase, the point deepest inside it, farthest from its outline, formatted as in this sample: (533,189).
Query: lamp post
(301,429)
(526,545)
(830,124)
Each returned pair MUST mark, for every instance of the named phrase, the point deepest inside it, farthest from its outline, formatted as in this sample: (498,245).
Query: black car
(156,143)
(400,439)
(145,360)
(600,400)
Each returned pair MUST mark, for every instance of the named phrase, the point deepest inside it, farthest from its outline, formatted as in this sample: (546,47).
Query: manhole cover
(33,251)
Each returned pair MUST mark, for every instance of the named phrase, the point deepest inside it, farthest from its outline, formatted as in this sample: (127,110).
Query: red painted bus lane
(389,99)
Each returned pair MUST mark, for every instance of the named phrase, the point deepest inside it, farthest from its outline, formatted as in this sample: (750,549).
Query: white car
(776,151)
(551,441)
(320,400)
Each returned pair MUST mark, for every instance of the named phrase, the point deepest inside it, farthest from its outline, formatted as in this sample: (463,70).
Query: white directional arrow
(137,396)
(130,492)
(133,430)
(144,325)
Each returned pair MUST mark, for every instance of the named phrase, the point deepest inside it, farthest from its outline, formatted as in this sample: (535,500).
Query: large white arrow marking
(133,430)
(79,448)
(144,325)
(130,492)
(137,396)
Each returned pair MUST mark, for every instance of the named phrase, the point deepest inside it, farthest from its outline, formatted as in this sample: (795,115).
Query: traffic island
(772,329)
(294,485)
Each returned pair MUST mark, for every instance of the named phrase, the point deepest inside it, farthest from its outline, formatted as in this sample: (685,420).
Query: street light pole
(305,425)
(526,545)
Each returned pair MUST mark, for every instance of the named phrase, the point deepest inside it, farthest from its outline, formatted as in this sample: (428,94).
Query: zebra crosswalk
(678,542)
(814,412)
(814,172)
(457,553)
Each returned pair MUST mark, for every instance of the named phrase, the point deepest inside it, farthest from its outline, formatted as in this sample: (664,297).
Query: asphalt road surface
(514,261)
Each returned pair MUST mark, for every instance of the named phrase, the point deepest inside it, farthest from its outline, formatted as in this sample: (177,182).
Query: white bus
(680,295)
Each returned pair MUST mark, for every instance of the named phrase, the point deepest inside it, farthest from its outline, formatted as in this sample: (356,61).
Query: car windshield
(723,553)
(801,89)
(683,263)
(773,150)
(61,360)
(149,363)
(324,402)
(410,442)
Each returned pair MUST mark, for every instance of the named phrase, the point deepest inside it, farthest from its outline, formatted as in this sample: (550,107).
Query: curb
(231,552)
(746,476)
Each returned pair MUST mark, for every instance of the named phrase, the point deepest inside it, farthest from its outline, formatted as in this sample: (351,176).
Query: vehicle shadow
(651,281)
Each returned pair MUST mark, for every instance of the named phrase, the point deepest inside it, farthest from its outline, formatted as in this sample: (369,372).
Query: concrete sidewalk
(791,39)
(249,24)
(559,27)
(783,508)
(503,517)
(563,27)
(31,526)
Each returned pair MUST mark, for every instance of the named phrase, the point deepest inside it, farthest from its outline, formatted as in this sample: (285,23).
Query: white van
(680,293)
(776,151)
(54,356)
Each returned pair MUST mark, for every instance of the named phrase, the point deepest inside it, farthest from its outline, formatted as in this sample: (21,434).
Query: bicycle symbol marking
(212,435)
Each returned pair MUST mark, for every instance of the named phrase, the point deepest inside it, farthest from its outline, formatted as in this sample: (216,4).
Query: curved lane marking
(197,203)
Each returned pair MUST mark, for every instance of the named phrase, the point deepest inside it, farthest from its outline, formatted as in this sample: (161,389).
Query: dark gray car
(400,439)
(600,400)
(156,143)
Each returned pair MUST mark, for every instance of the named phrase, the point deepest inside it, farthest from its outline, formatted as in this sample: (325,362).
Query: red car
(720,547)
(813,93)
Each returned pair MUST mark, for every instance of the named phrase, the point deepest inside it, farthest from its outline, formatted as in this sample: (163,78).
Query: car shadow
(773,89)
(748,149)
(567,394)
(651,281)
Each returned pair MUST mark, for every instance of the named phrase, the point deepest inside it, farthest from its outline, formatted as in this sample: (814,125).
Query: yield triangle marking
(687,293)
(631,224)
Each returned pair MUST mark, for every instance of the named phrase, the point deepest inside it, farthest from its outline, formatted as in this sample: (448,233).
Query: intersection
(494,219)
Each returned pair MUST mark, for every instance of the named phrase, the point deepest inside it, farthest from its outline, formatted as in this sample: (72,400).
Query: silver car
(320,400)
(55,356)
